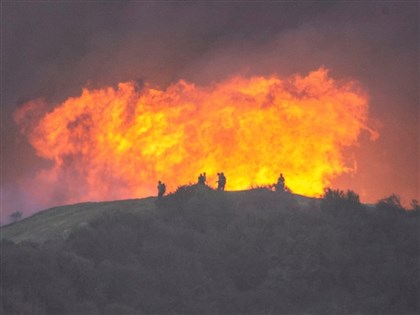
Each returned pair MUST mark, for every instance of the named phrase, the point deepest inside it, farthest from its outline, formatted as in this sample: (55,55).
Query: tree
(338,200)
(391,204)
(16,216)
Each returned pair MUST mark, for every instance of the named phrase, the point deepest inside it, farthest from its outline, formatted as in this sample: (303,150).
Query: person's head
(159,182)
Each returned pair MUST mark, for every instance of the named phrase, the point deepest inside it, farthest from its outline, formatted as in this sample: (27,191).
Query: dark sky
(53,49)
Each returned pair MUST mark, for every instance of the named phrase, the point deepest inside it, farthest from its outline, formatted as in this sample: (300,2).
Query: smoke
(52,50)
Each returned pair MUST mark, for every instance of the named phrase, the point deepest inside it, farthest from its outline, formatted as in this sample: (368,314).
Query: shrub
(337,201)
(16,216)
(390,205)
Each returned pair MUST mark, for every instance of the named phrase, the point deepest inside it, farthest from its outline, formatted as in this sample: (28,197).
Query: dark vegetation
(210,252)
(16,216)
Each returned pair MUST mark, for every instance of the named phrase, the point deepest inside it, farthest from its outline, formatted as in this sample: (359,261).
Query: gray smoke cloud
(52,50)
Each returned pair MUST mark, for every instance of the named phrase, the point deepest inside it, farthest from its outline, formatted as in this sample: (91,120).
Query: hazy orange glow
(115,143)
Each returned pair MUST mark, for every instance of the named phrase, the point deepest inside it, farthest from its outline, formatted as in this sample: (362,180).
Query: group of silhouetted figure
(202,179)
(221,183)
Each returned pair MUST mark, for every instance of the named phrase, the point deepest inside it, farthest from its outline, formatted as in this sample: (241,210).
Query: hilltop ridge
(201,251)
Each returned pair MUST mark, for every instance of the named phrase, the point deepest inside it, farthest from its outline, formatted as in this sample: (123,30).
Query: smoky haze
(53,50)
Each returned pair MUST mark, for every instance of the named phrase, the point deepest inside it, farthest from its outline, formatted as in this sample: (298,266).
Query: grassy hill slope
(58,222)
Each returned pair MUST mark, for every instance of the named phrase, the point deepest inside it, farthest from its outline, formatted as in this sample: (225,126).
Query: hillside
(58,222)
(200,251)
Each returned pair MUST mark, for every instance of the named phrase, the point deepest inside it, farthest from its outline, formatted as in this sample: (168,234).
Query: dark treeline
(210,252)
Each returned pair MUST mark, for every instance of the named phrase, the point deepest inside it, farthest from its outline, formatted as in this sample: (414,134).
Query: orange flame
(116,143)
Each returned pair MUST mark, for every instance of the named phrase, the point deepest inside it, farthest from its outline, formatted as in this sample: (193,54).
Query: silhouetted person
(161,189)
(202,179)
(221,182)
(280,183)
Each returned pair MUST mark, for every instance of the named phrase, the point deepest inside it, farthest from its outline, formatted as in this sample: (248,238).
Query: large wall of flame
(115,143)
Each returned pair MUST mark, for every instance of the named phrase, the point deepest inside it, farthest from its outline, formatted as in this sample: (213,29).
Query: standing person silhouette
(280,183)
(161,189)
(201,179)
(221,181)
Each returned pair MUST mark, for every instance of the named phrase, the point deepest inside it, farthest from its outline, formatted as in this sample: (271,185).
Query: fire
(116,143)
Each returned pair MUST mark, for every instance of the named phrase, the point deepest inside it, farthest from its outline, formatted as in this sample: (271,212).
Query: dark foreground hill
(200,251)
